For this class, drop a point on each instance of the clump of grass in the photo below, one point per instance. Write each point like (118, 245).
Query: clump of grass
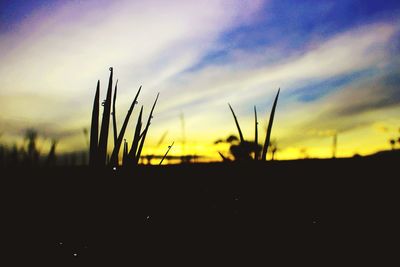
(98, 146)
(246, 146)
(136, 138)
(118, 142)
(142, 137)
(29, 153)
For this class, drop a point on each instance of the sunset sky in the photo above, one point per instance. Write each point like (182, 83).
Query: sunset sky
(337, 64)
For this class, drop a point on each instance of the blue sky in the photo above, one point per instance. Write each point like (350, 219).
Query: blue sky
(292, 23)
(328, 58)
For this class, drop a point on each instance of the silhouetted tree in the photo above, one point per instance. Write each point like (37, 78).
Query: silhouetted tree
(303, 152)
(244, 150)
(274, 148)
(231, 139)
(239, 150)
(392, 143)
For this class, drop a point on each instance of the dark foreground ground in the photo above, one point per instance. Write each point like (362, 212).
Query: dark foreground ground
(311, 213)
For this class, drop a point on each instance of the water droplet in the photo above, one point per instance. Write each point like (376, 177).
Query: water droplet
(75, 254)
(115, 168)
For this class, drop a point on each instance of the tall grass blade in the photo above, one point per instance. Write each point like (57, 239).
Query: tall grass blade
(114, 114)
(143, 138)
(269, 129)
(51, 157)
(166, 153)
(136, 137)
(223, 157)
(114, 155)
(256, 151)
(94, 129)
(237, 124)
(125, 154)
(102, 155)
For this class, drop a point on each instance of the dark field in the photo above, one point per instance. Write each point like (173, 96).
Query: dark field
(341, 212)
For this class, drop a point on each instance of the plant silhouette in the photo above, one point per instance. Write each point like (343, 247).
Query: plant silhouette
(98, 156)
(244, 149)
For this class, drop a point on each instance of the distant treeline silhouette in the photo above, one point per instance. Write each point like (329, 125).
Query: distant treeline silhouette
(28, 154)
(393, 141)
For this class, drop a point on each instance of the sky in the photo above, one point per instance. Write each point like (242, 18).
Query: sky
(336, 63)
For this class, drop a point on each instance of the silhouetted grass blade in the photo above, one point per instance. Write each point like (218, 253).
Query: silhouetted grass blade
(136, 138)
(51, 157)
(94, 129)
(166, 153)
(114, 155)
(269, 129)
(256, 152)
(102, 155)
(114, 114)
(125, 154)
(139, 152)
(223, 157)
(237, 124)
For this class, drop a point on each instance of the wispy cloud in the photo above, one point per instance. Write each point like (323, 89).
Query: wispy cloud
(62, 54)
(248, 83)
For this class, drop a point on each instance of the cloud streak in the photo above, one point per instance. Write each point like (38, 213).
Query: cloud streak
(61, 55)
